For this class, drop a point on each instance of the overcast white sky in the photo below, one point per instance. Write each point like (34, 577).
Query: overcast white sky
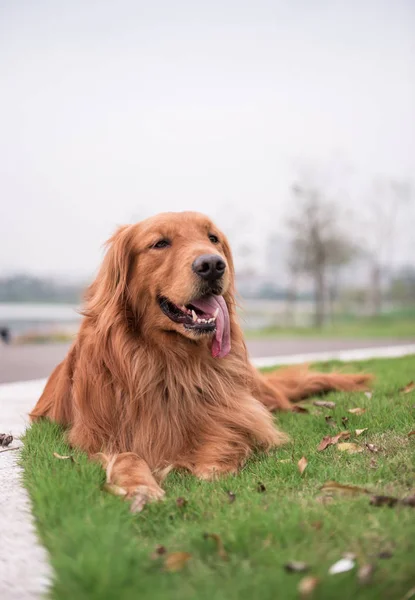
(114, 110)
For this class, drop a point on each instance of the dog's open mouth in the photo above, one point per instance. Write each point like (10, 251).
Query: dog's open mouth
(206, 315)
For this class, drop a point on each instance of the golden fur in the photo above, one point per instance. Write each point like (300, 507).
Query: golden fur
(145, 395)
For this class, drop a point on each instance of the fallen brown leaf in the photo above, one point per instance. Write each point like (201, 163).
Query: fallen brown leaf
(61, 457)
(317, 525)
(357, 411)
(349, 448)
(302, 464)
(329, 440)
(344, 490)
(408, 501)
(5, 439)
(410, 387)
(411, 433)
(307, 586)
(372, 448)
(113, 489)
(383, 501)
(365, 574)
(385, 554)
(158, 551)
(295, 566)
(300, 409)
(360, 431)
(219, 544)
(324, 404)
(176, 561)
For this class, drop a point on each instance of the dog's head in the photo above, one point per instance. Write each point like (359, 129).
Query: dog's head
(172, 273)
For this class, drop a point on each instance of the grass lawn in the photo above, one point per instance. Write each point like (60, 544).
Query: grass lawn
(100, 550)
(376, 327)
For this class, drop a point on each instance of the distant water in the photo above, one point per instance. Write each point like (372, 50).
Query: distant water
(22, 317)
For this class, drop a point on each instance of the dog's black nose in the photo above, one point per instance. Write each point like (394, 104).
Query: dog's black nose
(209, 266)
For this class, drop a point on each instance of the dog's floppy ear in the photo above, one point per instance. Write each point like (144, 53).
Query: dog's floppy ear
(110, 288)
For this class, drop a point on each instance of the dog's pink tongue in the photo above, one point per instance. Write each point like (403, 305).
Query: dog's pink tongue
(222, 340)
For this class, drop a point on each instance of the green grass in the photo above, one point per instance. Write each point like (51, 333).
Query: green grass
(376, 327)
(99, 550)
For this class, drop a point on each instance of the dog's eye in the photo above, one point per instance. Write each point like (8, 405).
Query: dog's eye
(162, 244)
(213, 238)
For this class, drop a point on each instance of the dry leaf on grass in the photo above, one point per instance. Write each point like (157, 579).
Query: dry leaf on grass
(113, 489)
(365, 574)
(383, 501)
(372, 448)
(408, 388)
(329, 440)
(344, 490)
(385, 554)
(411, 433)
(68, 457)
(300, 409)
(360, 431)
(158, 551)
(302, 464)
(324, 404)
(219, 544)
(357, 411)
(295, 566)
(341, 566)
(307, 586)
(350, 448)
(176, 561)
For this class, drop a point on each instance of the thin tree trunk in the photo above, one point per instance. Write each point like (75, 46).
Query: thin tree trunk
(320, 297)
(376, 290)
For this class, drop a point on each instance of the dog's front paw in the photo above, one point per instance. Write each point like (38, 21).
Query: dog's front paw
(142, 495)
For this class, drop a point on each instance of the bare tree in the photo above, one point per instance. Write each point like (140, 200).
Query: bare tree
(389, 198)
(318, 243)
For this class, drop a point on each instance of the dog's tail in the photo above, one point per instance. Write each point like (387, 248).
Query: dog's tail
(298, 383)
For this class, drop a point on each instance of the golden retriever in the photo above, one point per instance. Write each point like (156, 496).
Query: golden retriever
(159, 375)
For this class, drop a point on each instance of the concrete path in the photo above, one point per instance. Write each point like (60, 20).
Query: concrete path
(24, 570)
(23, 363)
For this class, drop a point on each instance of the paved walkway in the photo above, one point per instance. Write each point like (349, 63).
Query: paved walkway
(24, 570)
(22, 363)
